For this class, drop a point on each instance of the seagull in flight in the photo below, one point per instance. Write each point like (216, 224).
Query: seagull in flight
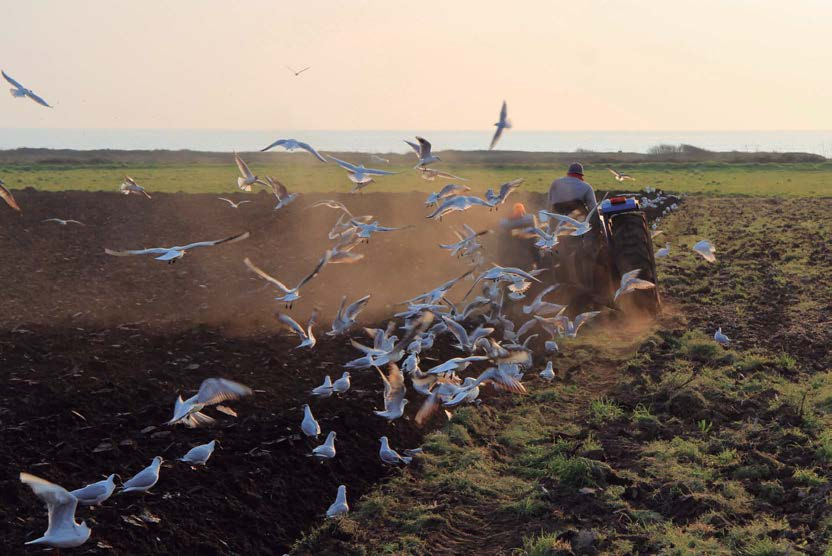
(706, 249)
(63, 531)
(504, 123)
(458, 203)
(8, 197)
(211, 392)
(290, 294)
(232, 203)
(360, 175)
(345, 318)
(247, 179)
(292, 144)
(506, 189)
(307, 337)
(378, 158)
(171, 254)
(366, 230)
(422, 151)
(281, 193)
(64, 222)
(129, 186)
(20, 91)
(450, 190)
(430, 174)
(297, 73)
(619, 176)
(394, 393)
(630, 282)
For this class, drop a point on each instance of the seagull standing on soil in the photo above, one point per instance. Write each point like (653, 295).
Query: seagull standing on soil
(95, 494)
(620, 176)
(324, 390)
(129, 186)
(20, 91)
(423, 151)
(292, 144)
(503, 123)
(309, 425)
(706, 249)
(340, 506)
(64, 222)
(721, 338)
(232, 203)
(391, 456)
(212, 391)
(307, 338)
(664, 251)
(327, 449)
(246, 179)
(549, 372)
(171, 254)
(198, 455)
(342, 384)
(8, 197)
(145, 479)
(291, 294)
(63, 531)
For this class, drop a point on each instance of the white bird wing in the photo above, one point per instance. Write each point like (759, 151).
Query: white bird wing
(614, 173)
(562, 218)
(584, 318)
(292, 323)
(231, 239)
(90, 492)
(497, 134)
(9, 198)
(151, 251)
(59, 503)
(277, 143)
(504, 113)
(424, 145)
(243, 167)
(353, 309)
(12, 81)
(316, 270)
(414, 146)
(37, 99)
(457, 330)
(343, 164)
(216, 390)
(259, 272)
(308, 148)
(375, 172)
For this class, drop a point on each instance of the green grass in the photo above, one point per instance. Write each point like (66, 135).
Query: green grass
(787, 180)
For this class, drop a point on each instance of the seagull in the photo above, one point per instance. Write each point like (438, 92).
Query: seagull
(430, 174)
(129, 186)
(706, 249)
(422, 151)
(630, 282)
(570, 328)
(307, 338)
(340, 506)
(324, 390)
(548, 373)
(309, 425)
(232, 203)
(172, 254)
(64, 222)
(504, 123)
(721, 338)
(655, 232)
(455, 365)
(458, 203)
(198, 455)
(330, 203)
(620, 176)
(394, 393)
(247, 179)
(391, 456)
(498, 273)
(297, 73)
(366, 230)
(506, 189)
(540, 307)
(327, 449)
(20, 91)
(144, 479)
(342, 384)
(63, 531)
(664, 251)
(467, 243)
(377, 158)
(8, 197)
(465, 341)
(292, 144)
(95, 494)
(438, 293)
(212, 391)
(342, 251)
(450, 190)
(360, 175)
(291, 294)
(345, 318)
(576, 228)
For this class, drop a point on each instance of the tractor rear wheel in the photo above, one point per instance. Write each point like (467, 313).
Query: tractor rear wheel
(632, 248)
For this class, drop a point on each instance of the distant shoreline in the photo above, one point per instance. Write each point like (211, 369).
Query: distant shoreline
(450, 157)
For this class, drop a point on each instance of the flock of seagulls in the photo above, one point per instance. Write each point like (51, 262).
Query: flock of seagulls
(496, 349)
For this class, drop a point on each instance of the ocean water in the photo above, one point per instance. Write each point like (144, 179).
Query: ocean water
(384, 141)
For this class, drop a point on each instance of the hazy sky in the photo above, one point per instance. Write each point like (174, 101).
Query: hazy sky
(421, 65)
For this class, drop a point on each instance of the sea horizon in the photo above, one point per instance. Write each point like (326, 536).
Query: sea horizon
(392, 141)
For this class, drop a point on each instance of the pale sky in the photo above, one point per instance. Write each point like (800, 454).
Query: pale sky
(391, 64)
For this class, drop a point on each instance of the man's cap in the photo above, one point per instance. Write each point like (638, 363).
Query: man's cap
(576, 168)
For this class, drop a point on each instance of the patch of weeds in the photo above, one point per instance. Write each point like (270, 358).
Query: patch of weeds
(824, 450)
(577, 472)
(698, 347)
(604, 410)
(808, 477)
(544, 544)
(406, 544)
(528, 506)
